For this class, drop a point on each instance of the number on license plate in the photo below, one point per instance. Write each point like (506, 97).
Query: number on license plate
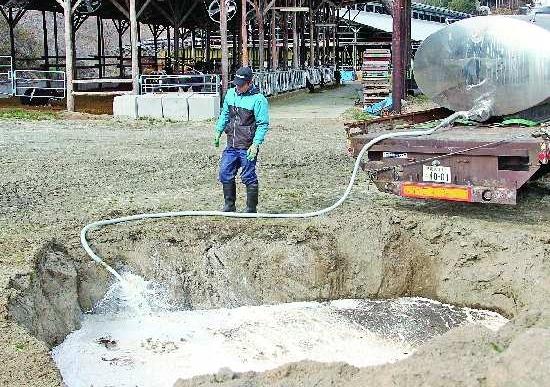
(437, 174)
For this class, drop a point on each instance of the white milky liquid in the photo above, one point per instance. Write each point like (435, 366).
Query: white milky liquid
(133, 342)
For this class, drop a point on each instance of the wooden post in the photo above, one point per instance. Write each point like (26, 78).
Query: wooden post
(193, 49)
(261, 34)
(311, 37)
(295, 42)
(168, 47)
(254, 51)
(285, 40)
(140, 53)
(302, 39)
(175, 65)
(56, 40)
(99, 69)
(273, 33)
(135, 43)
(120, 31)
(45, 37)
(334, 21)
(225, 49)
(12, 39)
(69, 54)
(208, 46)
(401, 24)
(235, 50)
(244, 35)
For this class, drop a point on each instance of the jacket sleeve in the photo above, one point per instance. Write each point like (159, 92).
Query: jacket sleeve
(223, 119)
(261, 113)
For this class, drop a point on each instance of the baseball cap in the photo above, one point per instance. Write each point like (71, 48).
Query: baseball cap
(244, 74)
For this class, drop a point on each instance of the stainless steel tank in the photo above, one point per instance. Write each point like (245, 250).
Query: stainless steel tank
(496, 65)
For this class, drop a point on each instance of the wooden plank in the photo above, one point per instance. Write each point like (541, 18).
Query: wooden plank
(292, 9)
(102, 93)
(102, 80)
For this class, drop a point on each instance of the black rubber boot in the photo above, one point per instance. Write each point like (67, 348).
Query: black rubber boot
(229, 196)
(251, 198)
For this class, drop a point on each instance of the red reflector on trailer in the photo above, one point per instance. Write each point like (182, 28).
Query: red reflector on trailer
(437, 191)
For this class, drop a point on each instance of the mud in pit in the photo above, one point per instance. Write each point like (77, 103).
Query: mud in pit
(56, 176)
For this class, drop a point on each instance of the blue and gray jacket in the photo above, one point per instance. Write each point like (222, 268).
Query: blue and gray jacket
(244, 118)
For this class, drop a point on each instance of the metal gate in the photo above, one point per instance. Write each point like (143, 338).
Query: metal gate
(38, 83)
(198, 83)
(6, 75)
(274, 82)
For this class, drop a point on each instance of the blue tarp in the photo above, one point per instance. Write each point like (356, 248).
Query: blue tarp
(347, 75)
(378, 107)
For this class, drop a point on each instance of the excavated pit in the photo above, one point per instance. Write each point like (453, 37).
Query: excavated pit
(216, 265)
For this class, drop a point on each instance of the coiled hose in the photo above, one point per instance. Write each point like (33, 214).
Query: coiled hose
(95, 225)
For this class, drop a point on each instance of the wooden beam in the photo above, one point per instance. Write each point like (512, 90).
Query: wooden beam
(189, 11)
(19, 15)
(75, 6)
(268, 7)
(120, 8)
(168, 17)
(147, 2)
(4, 14)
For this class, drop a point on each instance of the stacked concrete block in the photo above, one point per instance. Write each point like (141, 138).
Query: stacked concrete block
(175, 106)
(203, 106)
(150, 106)
(125, 106)
(179, 107)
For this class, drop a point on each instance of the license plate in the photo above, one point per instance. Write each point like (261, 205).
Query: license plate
(437, 174)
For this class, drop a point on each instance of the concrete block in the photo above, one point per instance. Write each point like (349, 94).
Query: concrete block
(125, 106)
(150, 106)
(175, 107)
(203, 106)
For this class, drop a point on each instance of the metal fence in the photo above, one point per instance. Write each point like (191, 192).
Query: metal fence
(37, 83)
(6, 75)
(274, 82)
(198, 83)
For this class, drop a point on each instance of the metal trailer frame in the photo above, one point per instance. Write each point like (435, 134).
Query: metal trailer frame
(485, 164)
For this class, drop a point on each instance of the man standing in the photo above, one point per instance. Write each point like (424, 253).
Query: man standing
(245, 120)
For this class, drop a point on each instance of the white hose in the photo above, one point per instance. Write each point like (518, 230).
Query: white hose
(365, 148)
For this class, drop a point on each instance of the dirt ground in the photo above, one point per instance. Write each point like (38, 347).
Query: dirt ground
(58, 175)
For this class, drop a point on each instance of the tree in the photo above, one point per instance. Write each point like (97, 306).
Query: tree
(468, 6)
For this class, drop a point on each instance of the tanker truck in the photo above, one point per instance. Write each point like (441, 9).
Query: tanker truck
(495, 69)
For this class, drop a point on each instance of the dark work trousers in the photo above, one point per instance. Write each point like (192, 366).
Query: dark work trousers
(232, 160)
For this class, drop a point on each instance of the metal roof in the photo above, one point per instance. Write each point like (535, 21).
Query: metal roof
(420, 29)
(159, 12)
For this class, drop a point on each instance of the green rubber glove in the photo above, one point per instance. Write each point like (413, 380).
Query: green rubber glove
(252, 152)
(217, 139)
